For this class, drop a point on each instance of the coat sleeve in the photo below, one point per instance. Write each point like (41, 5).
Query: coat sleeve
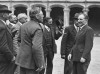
(37, 48)
(64, 41)
(88, 43)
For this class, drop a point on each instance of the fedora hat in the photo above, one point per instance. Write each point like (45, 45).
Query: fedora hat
(4, 8)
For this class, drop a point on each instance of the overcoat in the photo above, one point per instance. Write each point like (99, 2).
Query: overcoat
(30, 53)
(6, 50)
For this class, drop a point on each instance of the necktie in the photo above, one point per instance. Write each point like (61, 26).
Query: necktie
(78, 29)
(48, 29)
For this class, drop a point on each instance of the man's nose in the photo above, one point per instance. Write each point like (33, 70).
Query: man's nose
(79, 20)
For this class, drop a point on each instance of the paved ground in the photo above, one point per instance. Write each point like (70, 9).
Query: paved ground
(94, 67)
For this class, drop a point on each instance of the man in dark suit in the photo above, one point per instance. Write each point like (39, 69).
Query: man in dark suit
(67, 43)
(30, 57)
(49, 45)
(81, 51)
(7, 57)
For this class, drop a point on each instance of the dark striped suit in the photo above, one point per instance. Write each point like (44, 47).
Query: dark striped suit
(82, 48)
(67, 43)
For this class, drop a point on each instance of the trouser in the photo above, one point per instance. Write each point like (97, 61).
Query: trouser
(80, 68)
(27, 71)
(49, 55)
(49, 59)
(68, 66)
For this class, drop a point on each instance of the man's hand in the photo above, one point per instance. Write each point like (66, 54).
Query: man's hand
(39, 69)
(69, 57)
(82, 60)
(63, 56)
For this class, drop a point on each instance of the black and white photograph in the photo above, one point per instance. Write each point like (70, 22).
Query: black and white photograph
(49, 36)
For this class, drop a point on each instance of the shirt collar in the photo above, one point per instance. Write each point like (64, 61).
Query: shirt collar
(82, 26)
(3, 21)
(47, 28)
(20, 23)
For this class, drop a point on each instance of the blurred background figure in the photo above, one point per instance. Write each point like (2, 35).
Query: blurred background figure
(13, 19)
(22, 18)
(12, 22)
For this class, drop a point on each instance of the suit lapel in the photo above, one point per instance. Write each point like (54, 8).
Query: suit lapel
(42, 26)
(74, 30)
(8, 29)
(82, 31)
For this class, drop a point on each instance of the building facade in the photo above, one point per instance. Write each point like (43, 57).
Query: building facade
(59, 8)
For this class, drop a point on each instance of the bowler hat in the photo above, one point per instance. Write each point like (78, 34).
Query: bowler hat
(4, 8)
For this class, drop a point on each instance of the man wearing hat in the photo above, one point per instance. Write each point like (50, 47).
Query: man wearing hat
(30, 57)
(7, 58)
(67, 42)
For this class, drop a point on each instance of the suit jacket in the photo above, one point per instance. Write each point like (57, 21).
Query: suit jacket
(83, 44)
(68, 39)
(30, 53)
(54, 47)
(54, 36)
(6, 43)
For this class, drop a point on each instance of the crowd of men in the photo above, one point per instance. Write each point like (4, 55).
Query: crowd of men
(28, 46)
